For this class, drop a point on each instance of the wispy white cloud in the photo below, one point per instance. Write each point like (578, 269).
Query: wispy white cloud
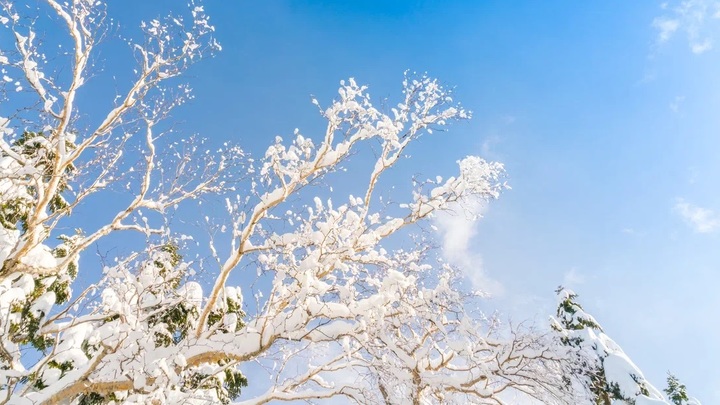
(457, 231)
(633, 233)
(572, 278)
(676, 103)
(666, 28)
(702, 220)
(647, 77)
(701, 47)
(509, 119)
(694, 17)
(487, 149)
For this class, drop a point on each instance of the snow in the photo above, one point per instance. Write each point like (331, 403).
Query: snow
(598, 348)
(42, 305)
(40, 257)
(333, 281)
(33, 75)
(191, 292)
(8, 239)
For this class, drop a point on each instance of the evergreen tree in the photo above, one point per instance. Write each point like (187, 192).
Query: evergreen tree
(605, 370)
(677, 393)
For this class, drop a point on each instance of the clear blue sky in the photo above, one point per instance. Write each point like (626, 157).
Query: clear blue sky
(605, 114)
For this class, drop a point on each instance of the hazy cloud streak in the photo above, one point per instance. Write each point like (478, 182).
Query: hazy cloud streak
(694, 17)
(702, 220)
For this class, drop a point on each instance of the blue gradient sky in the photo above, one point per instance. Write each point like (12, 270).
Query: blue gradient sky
(609, 133)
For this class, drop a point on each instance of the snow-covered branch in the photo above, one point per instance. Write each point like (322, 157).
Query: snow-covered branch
(339, 297)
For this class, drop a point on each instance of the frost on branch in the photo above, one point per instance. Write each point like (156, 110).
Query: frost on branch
(343, 309)
(55, 162)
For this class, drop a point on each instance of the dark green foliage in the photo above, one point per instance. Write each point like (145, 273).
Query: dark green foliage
(643, 388)
(63, 250)
(34, 144)
(63, 367)
(178, 318)
(61, 290)
(231, 307)
(26, 331)
(611, 392)
(172, 319)
(94, 398)
(226, 390)
(38, 383)
(676, 391)
(36, 147)
(567, 311)
(571, 319)
(89, 349)
(168, 263)
(234, 381)
(568, 316)
(13, 212)
(177, 321)
(214, 317)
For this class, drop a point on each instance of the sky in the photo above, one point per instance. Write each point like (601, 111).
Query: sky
(605, 115)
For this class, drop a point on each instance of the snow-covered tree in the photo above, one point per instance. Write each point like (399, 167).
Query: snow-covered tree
(677, 392)
(331, 301)
(608, 374)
